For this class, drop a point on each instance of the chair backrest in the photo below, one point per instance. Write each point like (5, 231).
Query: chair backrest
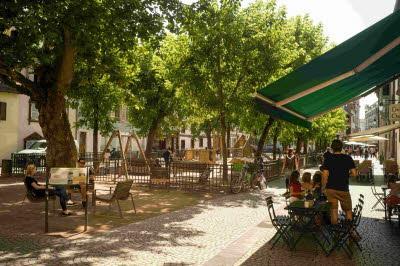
(391, 167)
(122, 190)
(364, 167)
(373, 188)
(30, 196)
(271, 210)
(358, 215)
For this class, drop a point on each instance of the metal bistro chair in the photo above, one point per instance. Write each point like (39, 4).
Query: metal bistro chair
(33, 199)
(281, 224)
(378, 196)
(341, 234)
(121, 192)
(365, 171)
(390, 167)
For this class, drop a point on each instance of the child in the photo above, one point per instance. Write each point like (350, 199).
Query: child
(306, 182)
(317, 185)
(295, 187)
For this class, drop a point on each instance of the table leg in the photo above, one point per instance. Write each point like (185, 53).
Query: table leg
(86, 212)
(46, 212)
(384, 203)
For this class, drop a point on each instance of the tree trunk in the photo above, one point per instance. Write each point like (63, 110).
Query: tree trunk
(209, 137)
(224, 150)
(177, 142)
(49, 93)
(151, 136)
(305, 144)
(298, 144)
(274, 143)
(228, 135)
(263, 137)
(96, 142)
(53, 119)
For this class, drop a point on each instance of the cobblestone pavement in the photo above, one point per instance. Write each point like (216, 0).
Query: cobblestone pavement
(189, 236)
(380, 239)
(230, 230)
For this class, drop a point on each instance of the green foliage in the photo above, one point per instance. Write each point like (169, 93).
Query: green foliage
(38, 27)
(96, 90)
(154, 94)
(327, 126)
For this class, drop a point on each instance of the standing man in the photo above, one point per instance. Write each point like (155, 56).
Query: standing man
(290, 164)
(167, 157)
(337, 169)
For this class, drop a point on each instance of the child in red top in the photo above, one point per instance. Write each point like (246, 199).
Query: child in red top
(295, 187)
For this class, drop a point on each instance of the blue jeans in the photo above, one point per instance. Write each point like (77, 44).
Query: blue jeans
(62, 194)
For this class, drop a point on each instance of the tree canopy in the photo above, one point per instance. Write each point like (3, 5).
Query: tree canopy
(174, 65)
(48, 38)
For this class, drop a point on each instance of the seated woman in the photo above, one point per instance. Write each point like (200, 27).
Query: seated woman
(393, 199)
(306, 182)
(38, 191)
(295, 187)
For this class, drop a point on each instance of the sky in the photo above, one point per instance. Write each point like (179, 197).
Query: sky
(341, 19)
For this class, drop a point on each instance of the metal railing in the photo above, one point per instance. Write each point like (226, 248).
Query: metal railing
(182, 175)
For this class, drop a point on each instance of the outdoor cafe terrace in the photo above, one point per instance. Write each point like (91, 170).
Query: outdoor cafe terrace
(182, 224)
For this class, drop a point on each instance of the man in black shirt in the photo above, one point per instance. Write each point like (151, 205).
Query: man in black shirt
(167, 157)
(337, 169)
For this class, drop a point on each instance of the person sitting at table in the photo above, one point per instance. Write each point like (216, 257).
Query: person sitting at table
(295, 187)
(81, 187)
(393, 199)
(335, 178)
(317, 186)
(306, 182)
(39, 191)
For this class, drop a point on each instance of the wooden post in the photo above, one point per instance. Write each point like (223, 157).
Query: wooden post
(104, 150)
(128, 144)
(123, 155)
(141, 150)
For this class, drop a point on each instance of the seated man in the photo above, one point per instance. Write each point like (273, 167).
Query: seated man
(38, 191)
(337, 168)
(82, 186)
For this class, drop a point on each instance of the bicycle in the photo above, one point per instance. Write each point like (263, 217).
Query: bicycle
(238, 182)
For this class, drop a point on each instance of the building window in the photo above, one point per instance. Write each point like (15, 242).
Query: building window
(385, 90)
(183, 144)
(192, 143)
(183, 131)
(201, 142)
(33, 112)
(3, 111)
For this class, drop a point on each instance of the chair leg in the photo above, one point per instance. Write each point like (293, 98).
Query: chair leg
(119, 209)
(133, 203)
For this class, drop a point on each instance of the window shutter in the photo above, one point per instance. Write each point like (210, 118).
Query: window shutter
(3, 111)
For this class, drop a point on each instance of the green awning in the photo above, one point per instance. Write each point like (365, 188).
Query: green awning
(350, 70)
